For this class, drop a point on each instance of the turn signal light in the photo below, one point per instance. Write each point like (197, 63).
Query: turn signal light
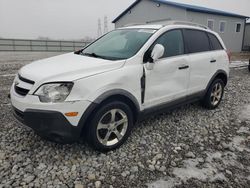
(71, 114)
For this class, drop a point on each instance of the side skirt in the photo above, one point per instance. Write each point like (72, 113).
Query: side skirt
(165, 107)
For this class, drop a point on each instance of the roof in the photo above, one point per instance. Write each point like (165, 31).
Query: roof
(193, 8)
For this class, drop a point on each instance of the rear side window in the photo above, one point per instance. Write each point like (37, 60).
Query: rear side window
(196, 41)
(215, 43)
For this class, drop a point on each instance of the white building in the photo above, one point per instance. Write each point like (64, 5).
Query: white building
(230, 26)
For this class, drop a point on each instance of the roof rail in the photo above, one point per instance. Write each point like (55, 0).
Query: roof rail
(160, 20)
(168, 22)
(134, 24)
(189, 23)
(177, 22)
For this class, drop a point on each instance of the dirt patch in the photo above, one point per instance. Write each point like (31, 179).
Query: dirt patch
(243, 56)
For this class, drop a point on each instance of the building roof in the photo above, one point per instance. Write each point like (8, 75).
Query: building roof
(193, 8)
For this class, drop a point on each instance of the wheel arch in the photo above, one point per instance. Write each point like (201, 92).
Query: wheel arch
(221, 74)
(112, 95)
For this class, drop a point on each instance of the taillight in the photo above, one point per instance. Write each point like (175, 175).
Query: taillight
(229, 54)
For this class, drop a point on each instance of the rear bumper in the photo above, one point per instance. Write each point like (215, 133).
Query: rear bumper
(51, 125)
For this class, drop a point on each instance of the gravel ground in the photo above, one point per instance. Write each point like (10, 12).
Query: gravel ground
(187, 147)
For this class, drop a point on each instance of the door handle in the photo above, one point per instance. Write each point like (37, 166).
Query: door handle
(213, 61)
(183, 67)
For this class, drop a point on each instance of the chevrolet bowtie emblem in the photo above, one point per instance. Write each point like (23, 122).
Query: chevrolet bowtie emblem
(16, 83)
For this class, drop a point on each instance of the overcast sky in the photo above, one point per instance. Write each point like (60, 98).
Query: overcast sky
(75, 19)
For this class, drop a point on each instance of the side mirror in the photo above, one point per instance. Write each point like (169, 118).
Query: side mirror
(156, 54)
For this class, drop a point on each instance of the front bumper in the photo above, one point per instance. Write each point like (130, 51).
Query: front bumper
(32, 102)
(48, 119)
(51, 125)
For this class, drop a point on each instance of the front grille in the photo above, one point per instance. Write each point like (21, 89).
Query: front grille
(25, 80)
(21, 91)
(18, 114)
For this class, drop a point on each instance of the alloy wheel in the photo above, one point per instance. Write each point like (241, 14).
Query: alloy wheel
(216, 94)
(112, 127)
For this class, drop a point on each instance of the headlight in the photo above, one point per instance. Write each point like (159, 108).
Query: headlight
(54, 92)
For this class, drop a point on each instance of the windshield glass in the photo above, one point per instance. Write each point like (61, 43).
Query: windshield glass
(119, 44)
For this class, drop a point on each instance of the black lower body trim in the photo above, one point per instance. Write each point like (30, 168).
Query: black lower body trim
(19, 115)
(165, 107)
(51, 125)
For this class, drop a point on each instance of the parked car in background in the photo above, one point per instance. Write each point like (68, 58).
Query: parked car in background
(101, 91)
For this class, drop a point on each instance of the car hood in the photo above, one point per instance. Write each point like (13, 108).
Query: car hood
(67, 67)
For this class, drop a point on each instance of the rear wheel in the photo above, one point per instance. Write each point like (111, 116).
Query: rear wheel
(110, 126)
(214, 94)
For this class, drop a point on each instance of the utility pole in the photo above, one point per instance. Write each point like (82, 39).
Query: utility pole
(99, 30)
(105, 29)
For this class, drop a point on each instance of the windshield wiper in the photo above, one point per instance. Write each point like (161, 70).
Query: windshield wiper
(93, 55)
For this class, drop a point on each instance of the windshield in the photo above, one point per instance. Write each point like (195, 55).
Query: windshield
(119, 44)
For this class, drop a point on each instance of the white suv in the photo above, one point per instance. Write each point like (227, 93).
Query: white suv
(101, 91)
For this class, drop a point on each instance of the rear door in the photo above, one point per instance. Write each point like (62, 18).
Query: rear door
(218, 53)
(200, 59)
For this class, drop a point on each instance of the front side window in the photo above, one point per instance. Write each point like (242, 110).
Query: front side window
(222, 26)
(238, 27)
(119, 44)
(197, 41)
(172, 42)
(210, 24)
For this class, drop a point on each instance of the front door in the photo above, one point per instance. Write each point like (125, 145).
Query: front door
(169, 79)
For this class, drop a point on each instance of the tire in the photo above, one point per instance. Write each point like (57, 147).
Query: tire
(212, 98)
(110, 126)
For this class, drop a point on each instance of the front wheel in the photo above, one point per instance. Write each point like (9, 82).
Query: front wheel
(214, 94)
(110, 126)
